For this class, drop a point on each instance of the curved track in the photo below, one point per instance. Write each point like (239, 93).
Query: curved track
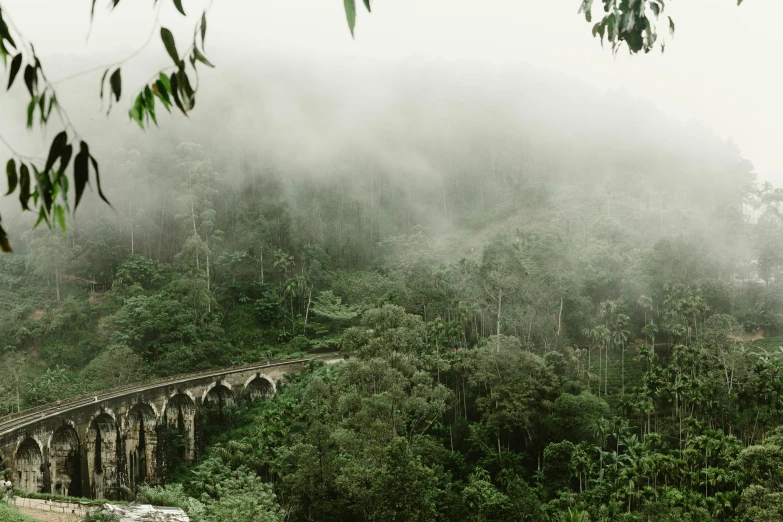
(30, 416)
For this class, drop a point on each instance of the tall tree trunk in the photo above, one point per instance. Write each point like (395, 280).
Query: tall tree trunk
(195, 233)
(622, 370)
(130, 219)
(559, 316)
(57, 280)
(600, 370)
(209, 301)
(307, 309)
(606, 370)
(500, 310)
(261, 250)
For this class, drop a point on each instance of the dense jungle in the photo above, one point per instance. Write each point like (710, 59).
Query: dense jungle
(550, 280)
(529, 335)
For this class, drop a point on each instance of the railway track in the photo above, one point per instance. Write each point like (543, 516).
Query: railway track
(15, 421)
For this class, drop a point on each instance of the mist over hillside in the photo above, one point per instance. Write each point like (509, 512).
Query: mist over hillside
(457, 146)
(553, 301)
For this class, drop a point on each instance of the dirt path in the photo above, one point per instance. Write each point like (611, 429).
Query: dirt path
(46, 516)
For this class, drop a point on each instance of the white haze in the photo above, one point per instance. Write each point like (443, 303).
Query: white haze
(720, 69)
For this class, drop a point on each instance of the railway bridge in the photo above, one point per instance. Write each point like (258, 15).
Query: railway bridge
(91, 446)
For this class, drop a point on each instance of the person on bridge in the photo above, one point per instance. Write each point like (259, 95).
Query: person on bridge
(58, 404)
(8, 488)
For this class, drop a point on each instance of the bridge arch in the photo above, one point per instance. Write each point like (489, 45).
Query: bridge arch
(29, 466)
(179, 412)
(103, 412)
(101, 448)
(65, 460)
(259, 387)
(218, 394)
(141, 442)
(5, 467)
(178, 408)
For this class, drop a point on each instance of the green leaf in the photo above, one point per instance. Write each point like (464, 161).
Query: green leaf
(184, 83)
(56, 150)
(4, 32)
(588, 16)
(350, 14)
(656, 9)
(16, 64)
(116, 84)
(610, 25)
(671, 26)
(44, 184)
(162, 94)
(165, 81)
(92, 10)
(65, 159)
(367, 5)
(5, 245)
(178, 5)
(42, 107)
(203, 27)
(59, 212)
(3, 52)
(149, 104)
(136, 112)
(103, 80)
(98, 178)
(175, 94)
(201, 58)
(80, 171)
(30, 79)
(168, 42)
(41, 214)
(635, 42)
(650, 34)
(64, 186)
(10, 173)
(24, 186)
(31, 111)
(52, 102)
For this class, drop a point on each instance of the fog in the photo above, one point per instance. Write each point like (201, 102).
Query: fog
(472, 119)
(502, 225)
(716, 71)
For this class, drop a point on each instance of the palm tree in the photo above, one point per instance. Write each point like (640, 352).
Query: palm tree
(597, 336)
(572, 515)
(600, 430)
(629, 462)
(607, 310)
(583, 463)
(620, 336)
(649, 331)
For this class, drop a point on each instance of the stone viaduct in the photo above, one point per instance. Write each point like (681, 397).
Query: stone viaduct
(91, 446)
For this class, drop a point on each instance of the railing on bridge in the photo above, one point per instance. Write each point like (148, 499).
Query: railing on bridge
(87, 398)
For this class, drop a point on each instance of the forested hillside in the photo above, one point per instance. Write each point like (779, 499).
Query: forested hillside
(544, 318)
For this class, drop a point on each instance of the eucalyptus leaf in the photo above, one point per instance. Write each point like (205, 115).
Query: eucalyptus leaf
(350, 14)
(168, 42)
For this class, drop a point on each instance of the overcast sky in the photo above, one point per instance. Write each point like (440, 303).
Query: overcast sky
(722, 68)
